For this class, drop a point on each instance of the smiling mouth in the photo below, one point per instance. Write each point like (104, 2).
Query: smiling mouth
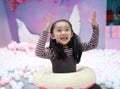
(64, 38)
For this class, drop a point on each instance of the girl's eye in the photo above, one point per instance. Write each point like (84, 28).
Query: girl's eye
(67, 29)
(58, 30)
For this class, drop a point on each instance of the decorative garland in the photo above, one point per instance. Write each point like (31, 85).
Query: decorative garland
(14, 3)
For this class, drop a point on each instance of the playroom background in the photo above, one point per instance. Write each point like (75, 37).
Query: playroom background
(22, 21)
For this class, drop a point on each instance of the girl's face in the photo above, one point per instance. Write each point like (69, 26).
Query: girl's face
(62, 33)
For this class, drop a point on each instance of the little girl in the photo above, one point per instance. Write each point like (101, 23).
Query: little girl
(65, 47)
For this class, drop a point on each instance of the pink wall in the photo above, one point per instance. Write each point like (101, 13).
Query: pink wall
(112, 37)
(32, 13)
(5, 35)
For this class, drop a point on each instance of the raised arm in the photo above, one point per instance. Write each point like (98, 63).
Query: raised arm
(95, 35)
(40, 50)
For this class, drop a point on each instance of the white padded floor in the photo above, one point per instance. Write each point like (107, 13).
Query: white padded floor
(16, 70)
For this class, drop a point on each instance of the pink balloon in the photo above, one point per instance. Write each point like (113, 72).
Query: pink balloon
(2, 83)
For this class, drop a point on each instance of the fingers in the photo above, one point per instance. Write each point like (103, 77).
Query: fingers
(49, 18)
(93, 21)
(49, 21)
(94, 15)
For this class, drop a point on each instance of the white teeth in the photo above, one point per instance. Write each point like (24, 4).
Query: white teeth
(64, 38)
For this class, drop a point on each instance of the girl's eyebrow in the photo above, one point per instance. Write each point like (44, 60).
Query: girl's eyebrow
(67, 27)
(58, 27)
(61, 27)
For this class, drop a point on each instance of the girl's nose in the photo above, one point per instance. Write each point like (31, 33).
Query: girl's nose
(63, 32)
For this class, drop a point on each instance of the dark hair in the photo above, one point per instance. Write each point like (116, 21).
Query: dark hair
(74, 44)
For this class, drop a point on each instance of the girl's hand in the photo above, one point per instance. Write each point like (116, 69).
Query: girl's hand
(49, 20)
(93, 20)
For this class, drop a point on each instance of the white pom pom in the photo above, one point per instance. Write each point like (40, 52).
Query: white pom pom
(30, 79)
(17, 77)
(2, 88)
(13, 84)
(27, 74)
(21, 84)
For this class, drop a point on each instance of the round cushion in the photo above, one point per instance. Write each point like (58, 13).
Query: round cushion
(84, 78)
